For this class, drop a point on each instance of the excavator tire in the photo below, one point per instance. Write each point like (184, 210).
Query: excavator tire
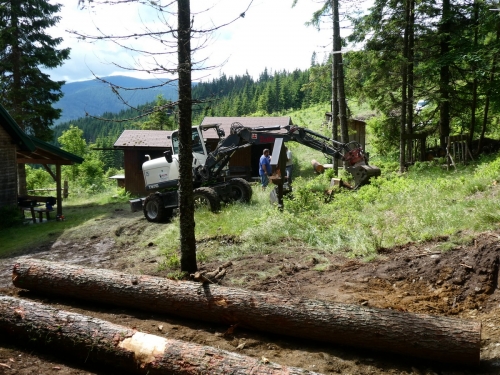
(241, 191)
(206, 197)
(155, 211)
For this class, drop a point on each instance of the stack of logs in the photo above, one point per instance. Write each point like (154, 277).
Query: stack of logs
(442, 339)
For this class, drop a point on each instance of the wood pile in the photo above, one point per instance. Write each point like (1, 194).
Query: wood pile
(442, 339)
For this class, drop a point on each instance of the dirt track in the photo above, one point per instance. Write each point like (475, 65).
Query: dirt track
(461, 282)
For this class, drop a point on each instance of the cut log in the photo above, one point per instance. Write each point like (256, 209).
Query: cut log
(436, 338)
(94, 342)
(318, 168)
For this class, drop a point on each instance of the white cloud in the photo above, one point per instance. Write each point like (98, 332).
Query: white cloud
(272, 35)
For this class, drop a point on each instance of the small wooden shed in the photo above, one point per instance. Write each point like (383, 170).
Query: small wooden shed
(357, 129)
(136, 144)
(17, 147)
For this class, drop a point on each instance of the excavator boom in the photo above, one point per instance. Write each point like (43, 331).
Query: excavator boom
(351, 153)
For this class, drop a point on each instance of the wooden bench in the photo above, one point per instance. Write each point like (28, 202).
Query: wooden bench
(36, 204)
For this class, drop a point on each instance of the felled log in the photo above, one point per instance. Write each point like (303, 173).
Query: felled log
(431, 337)
(318, 168)
(94, 342)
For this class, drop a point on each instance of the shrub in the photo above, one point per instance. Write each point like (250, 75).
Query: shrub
(37, 178)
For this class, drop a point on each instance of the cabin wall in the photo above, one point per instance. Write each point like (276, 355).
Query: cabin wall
(8, 166)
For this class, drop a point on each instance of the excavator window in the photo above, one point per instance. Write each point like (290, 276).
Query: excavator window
(197, 146)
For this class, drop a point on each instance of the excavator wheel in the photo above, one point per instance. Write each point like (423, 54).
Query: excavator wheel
(241, 191)
(155, 211)
(206, 197)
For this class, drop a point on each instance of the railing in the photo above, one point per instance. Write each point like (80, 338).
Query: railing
(64, 190)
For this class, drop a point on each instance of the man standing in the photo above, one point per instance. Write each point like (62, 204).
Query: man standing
(265, 169)
(289, 165)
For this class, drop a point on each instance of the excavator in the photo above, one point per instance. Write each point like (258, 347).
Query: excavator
(211, 183)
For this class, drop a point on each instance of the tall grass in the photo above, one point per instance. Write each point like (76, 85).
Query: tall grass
(426, 202)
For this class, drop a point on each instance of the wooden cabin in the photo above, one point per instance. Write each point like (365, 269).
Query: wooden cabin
(17, 147)
(136, 144)
(357, 129)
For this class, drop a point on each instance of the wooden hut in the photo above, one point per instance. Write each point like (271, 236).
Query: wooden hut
(357, 129)
(17, 147)
(136, 145)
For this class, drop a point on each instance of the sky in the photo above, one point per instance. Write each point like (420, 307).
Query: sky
(272, 35)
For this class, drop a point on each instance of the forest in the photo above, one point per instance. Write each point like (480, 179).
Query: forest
(410, 69)
(444, 54)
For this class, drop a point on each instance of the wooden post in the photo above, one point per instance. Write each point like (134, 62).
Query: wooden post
(436, 338)
(58, 190)
(65, 189)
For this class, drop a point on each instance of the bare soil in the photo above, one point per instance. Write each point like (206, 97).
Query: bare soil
(418, 277)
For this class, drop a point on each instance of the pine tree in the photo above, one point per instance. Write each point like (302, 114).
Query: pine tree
(25, 49)
(160, 119)
(27, 93)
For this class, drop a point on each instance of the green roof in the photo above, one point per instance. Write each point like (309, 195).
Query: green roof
(18, 135)
(55, 150)
(30, 143)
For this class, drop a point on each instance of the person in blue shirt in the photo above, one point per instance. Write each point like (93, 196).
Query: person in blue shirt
(265, 169)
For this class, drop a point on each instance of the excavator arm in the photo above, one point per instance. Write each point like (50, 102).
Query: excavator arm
(351, 153)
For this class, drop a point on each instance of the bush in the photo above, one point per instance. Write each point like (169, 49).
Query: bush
(37, 178)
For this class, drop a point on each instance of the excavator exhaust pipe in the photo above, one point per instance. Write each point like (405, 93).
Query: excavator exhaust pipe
(363, 173)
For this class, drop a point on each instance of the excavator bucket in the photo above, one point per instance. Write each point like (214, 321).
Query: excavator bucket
(363, 173)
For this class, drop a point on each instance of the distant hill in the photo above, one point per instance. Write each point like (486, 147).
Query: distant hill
(96, 98)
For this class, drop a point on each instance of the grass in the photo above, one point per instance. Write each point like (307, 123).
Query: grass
(427, 202)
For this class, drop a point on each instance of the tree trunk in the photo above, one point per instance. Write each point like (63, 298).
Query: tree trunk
(344, 126)
(404, 91)
(488, 96)
(444, 74)
(437, 338)
(474, 103)
(93, 341)
(186, 205)
(337, 43)
(17, 107)
(410, 74)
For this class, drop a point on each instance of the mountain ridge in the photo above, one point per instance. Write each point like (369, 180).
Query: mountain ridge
(96, 97)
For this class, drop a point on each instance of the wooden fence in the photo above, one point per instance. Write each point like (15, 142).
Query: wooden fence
(65, 190)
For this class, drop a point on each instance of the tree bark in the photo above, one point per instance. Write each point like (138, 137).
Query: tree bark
(437, 338)
(344, 126)
(404, 91)
(444, 74)
(337, 43)
(186, 205)
(93, 341)
(488, 95)
(475, 83)
(411, 77)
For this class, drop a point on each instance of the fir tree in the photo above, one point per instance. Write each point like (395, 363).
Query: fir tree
(25, 49)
